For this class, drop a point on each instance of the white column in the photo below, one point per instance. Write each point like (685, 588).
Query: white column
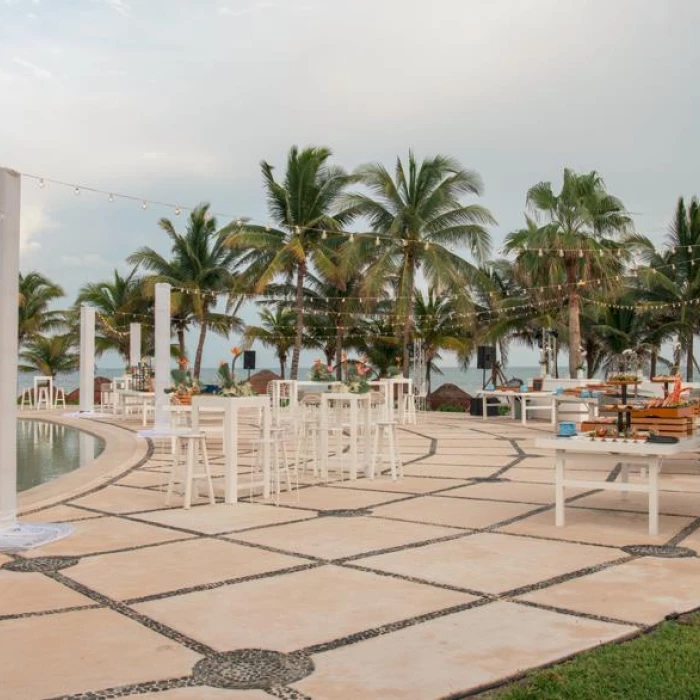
(162, 357)
(134, 344)
(87, 358)
(10, 187)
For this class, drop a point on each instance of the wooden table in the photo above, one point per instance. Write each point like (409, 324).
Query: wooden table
(645, 454)
(523, 397)
(357, 403)
(229, 406)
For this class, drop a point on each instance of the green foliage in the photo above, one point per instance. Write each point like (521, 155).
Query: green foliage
(448, 408)
(36, 294)
(662, 664)
(49, 355)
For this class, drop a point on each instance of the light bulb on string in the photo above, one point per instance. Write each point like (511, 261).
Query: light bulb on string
(376, 241)
(580, 252)
(540, 253)
(76, 191)
(177, 211)
(404, 242)
(267, 226)
(561, 252)
(42, 184)
(144, 205)
(110, 198)
(352, 238)
(427, 245)
(297, 230)
(324, 235)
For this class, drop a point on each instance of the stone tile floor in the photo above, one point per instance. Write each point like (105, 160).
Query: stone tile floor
(438, 585)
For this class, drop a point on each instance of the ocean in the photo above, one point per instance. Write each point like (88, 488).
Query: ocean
(470, 380)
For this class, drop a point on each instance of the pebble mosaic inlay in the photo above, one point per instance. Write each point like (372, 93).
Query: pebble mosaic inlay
(663, 551)
(247, 669)
(40, 565)
(344, 512)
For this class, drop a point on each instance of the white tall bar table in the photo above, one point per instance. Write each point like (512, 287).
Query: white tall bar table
(645, 454)
(229, 406)
(402, 383)
(358, 403)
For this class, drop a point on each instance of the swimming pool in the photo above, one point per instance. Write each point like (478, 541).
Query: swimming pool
(47, 450)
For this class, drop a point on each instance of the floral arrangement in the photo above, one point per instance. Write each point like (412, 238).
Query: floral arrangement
(395, 370)
(356, 376)
(184, 383)
(320, 373)
(229, 385)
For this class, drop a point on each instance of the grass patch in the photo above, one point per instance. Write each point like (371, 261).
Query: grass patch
(664, 664)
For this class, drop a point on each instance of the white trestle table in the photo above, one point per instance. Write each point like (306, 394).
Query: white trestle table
(644, 454)
(524, 397)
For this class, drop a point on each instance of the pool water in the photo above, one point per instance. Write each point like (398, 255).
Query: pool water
(46, 451)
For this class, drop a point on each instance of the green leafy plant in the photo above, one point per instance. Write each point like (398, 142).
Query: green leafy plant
(320, 372)
(229, 385)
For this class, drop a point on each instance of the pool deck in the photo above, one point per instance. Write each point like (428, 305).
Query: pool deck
(446, 582)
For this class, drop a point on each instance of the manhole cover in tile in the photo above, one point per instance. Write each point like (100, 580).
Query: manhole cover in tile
(41, 565)
(252, 668)
(344, 512)
(667, 552)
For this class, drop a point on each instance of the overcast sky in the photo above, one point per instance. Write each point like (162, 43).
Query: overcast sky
(179, 100)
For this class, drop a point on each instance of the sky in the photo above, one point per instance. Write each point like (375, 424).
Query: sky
(180, 100)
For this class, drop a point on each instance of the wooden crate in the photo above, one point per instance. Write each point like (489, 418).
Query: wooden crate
(680, 427)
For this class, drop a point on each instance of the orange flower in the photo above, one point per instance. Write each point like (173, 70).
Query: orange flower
(183, 362)
(236, 351)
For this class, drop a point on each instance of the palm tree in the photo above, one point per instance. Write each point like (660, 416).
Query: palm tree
(575, 244)
(278, 331)
(118, 302)
(439, 327)
(49, 355)
(301, 207)
(673, 277)
(36, 293)
(202, 265)
(420, 216)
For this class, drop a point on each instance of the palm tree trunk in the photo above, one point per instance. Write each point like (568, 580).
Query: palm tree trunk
(653, 362)
(689, 356)
(409, 309)
(200, 347)
(427, 376)
(283, 362)
(181, 340)
(339, 352)
(299, 308)
(574, 320)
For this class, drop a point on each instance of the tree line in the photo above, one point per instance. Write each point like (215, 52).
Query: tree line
(377, 260)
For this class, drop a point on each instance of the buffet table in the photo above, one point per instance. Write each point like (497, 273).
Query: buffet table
(523, 397)
(644, 454)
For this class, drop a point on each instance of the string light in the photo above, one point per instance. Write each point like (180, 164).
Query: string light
(76, 191)
(110, 198)
(144, 205)
(177, 211)
(324, 235)
(376, 241)
(42, 183)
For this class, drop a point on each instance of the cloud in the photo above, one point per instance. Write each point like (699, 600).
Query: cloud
(119, 6)
(37, 71)
(88, 260)
(33, 221)
(252, 9)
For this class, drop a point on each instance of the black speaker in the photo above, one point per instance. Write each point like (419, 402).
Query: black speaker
(485, 356)
(249, 359)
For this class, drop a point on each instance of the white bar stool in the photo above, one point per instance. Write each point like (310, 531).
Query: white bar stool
(27, 399)
(195, 447)
(43, 399)
(385, 436)
(409, 408)
(59, 394)
(279, 465)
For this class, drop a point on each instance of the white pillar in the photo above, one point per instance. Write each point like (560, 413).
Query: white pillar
(10, 187)
(87, 358)
(134, 344)
(162, 357)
